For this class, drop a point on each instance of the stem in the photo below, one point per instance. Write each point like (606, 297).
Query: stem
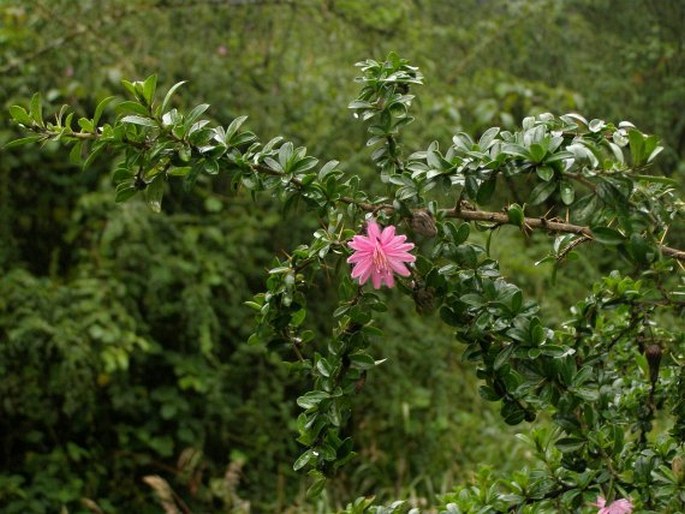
(545, 224)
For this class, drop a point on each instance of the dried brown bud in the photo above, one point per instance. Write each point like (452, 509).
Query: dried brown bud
(678, 467)
(424, 298)
(423, 224)
(653, 354)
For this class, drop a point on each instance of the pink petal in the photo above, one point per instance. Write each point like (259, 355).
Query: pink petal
(388, 234)
(365, 276)
(361, 268)
(360, 256)
(376, 279)
(389, 280)
(373, 230)
(399, 248)
(399, 267)
(621, 506)
(401, 256)
(401, 238)
(361, 243)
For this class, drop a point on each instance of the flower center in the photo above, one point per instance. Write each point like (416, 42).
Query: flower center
(380, 261)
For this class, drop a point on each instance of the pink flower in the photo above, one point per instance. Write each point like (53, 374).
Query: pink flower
(379, 254)
(621, 506)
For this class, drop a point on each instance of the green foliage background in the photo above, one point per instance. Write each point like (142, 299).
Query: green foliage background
(122, 332)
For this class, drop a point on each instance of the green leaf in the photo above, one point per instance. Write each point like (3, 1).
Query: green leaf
(486, 190)
(75, 153)
(97, 150)
(541, 192)
(361, 360)
(149, 87)
(324, 367)
(20, 115)
(86, 124)
(537, 152)
(489, 394)
(537, 333)
(586, 393)
(36, 109)
(450, 317)
(121, 174)
(303, 459)
(637, 144)
(465, 255)
(155, 191)
(179, 171)
(129, 106)
(512, 413)
(585, 208)
(211, 166)
(651, 156)
(328, 168)
(515, 214)
(570, 444)
(170, 93)
(567, 192)
(298, 317)
(640, 250)
(515, 150)
(130, 87)
(596, 125)
(22, 141)
(196, 113)
(471, 186)
(503, 357)
(234, 126)
(315, 490)
(124, 191)
(488, 137)
(304, 164)
(545, 173)
(67, 121)
(607, 235)
(139, 120)
(253, 305)
(312, 399)
(285, 152)
(100, 109)
(462, 234)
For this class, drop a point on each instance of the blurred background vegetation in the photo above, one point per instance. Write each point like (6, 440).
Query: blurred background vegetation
(122, 332)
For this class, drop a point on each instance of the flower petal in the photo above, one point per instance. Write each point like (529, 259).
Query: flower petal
(361, 268)
(399, 267)
(373, 230)
(365, 276)
(376, 279)
(360, 256)
(388, 234)
(361, 243)
(401, 257)
(400, 247)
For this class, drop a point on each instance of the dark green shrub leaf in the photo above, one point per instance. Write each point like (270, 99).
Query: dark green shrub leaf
(541, 192)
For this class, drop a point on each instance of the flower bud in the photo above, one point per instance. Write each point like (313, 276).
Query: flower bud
(423, 224)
